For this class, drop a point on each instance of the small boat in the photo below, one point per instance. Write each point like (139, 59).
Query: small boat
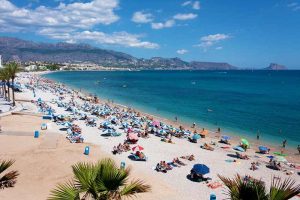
(124, 86)
(209, 110)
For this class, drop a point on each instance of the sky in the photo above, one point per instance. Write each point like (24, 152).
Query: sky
(244, 33)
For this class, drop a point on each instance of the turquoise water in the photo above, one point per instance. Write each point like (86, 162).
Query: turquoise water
(240, 102)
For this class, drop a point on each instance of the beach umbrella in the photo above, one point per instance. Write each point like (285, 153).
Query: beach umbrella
(245, 142)
(196, 136)
(263, 148)
(133, 136)
(138, 148)
(225, 137)
(271, 157)
(105, 123)
(156, 123)
(200, 169)
(239, 149)
(67, 124)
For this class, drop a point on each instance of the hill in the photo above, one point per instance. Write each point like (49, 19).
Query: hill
(28, 51)
(274, 66)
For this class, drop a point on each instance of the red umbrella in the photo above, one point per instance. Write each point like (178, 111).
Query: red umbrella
(138, 148)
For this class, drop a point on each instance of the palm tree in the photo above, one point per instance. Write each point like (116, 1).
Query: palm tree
(10, 178)
(13, 68)
(239, 189)
(100, 181)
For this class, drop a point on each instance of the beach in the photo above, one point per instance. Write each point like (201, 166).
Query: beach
(45, 161)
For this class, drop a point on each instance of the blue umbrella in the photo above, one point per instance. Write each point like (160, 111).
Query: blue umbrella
(225, 137)
(263, 148)
(271, 157)
(196, 136)
(200, 169)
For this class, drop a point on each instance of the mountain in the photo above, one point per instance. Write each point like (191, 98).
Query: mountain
(27, 51)
(274, 66)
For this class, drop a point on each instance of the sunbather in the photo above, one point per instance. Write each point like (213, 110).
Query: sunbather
(207, 147)
(179, 161)
(159, 168)
(253, 166)
(241, 156)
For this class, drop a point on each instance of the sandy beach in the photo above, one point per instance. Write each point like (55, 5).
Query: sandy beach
(45, 161)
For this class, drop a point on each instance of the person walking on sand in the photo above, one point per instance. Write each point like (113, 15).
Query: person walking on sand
(194, 125)
(284, 143)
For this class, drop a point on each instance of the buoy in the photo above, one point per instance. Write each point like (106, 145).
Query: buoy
(36, 134)
(87, 150)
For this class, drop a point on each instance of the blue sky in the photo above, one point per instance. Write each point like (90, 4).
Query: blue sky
(242, 33)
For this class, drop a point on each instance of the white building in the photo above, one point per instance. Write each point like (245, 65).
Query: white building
(1, 61)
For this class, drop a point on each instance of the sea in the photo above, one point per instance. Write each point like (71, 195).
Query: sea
(241, 103)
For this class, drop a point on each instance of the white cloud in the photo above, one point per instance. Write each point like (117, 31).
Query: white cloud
(142, 17)
(186, 3)
(187, 16)
(211, 40)
(196, 5)
(116, 38)
(75, 15)
(182, 51)
(160, 25)
(294, 6)
(219, 48)
(71, 22)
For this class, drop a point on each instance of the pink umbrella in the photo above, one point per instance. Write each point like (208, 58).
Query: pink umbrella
(133, 136)
(138, 148)
(155, 123)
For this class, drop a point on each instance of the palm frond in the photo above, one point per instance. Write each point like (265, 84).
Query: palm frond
(67, 191)
(238, 189)
(85, 175)
(283, 190)
(5, 164)
(110, 177)
(135, 187)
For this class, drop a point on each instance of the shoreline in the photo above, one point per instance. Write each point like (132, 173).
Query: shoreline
(171, 185)
(273, 145)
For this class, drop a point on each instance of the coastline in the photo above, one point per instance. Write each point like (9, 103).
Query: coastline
(272, 144)
(171, 185)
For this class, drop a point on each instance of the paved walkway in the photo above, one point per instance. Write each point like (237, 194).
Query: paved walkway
(4, 105)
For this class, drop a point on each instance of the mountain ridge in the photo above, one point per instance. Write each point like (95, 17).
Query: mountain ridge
(61, 52)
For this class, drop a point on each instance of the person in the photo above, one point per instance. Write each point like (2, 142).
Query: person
(284, 143)
(298, 148)
(257, 135)
(176, 119)
(194, 125)
(253, 166)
